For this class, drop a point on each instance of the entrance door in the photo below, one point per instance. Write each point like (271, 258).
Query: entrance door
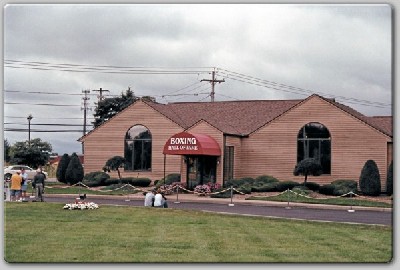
(201, 170)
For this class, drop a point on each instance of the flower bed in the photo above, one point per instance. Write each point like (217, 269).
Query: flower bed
(81, 206)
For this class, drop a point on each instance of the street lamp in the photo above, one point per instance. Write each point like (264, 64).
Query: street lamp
(29, 128)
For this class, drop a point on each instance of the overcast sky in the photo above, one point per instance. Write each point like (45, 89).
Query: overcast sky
(53, 52)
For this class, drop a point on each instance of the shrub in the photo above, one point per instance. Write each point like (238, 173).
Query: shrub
(265, 179)
(389, 180)
(313, 186)
(239, 182)
(74, 172)
(62, 168)
(268, 187)
(202, 189)
(370, 181)
(306, 167)
(327, 189)
(95, 179)
(246, 188)
(226, 194)
(284, 185)
(137, 182)
(339, 187)
(169, 179)
(301, 190)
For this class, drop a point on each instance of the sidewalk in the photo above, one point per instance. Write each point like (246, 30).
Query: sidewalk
(237, 199)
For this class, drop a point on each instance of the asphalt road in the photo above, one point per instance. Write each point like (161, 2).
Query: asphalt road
(375, 217)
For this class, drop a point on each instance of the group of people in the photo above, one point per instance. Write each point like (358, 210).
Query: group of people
(155, 198)
(19, 185)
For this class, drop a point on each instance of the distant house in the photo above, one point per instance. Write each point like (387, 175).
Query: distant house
(217, 141)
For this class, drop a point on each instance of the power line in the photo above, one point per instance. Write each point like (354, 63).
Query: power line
(42, 104)
(104, 69)
(40, 130)
(287, 88)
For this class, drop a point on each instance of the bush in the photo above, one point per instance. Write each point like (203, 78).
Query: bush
(301, 190)
(389, 180)
(269, 187)
(74, 172)
(137, 182)
(284, 185)
(265, 179)
(95, 179)
(327, 189)
(246, 188)
(339, 187)
(62, 168)
(169, 179)
(239, 182)
(313, 186)
(226, 194)
(370, 180)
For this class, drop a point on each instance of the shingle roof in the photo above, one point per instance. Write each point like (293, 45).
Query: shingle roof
(244, 117)
(231, 117)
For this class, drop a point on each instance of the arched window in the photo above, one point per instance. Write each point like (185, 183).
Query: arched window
(138, 149)
(314, 141)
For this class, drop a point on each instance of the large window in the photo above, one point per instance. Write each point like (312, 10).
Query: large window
(314, 141)
(138, 149)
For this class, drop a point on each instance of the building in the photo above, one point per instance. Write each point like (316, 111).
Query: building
(217, 141)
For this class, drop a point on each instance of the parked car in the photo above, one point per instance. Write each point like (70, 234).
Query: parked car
(10, 170)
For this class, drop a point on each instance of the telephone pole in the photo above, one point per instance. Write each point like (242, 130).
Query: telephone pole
(100, 96)
(85, 108)
(213, 81)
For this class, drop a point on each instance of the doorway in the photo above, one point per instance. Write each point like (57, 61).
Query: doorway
(200, 170)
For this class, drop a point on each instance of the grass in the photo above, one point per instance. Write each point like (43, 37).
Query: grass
(45, 232)
(283, 197)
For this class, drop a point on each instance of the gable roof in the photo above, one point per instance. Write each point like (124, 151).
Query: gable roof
(241, 118)
(231, 117)
(244, 117)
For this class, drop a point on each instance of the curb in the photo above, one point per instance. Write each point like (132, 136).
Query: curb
(239, 202)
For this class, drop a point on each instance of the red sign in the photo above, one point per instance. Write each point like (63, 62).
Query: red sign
(185, 143)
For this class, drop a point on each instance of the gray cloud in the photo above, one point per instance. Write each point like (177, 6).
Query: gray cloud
(341, 50)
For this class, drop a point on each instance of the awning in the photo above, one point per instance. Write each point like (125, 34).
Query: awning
(185, 143)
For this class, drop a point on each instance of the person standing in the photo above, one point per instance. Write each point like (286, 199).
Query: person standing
(24, 185)
(16, 180)
(38, 184)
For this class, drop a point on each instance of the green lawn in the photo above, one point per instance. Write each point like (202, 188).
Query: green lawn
(334, 201)
(45, 232)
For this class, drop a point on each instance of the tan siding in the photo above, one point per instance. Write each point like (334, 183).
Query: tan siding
(108, 141)
(237, 155)
(273, 149)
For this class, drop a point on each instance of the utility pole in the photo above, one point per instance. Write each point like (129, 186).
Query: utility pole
(213, 81)
(85, 108)
(100, 96)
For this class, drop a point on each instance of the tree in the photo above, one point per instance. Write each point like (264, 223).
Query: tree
(389, 180)
(7, 147)
(74, 172)
(62, 168)
(34, 154)
(306, 167)
(370, 180)
(113, 164)
(109, 107)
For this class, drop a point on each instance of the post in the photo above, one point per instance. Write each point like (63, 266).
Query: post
(351, 210)
(165, 160)
(177, 191)
(231, 204)
(29, 128)
(288, 199)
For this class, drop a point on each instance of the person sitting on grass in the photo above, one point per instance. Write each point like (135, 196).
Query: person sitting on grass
(149, 198)
(160, 200)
